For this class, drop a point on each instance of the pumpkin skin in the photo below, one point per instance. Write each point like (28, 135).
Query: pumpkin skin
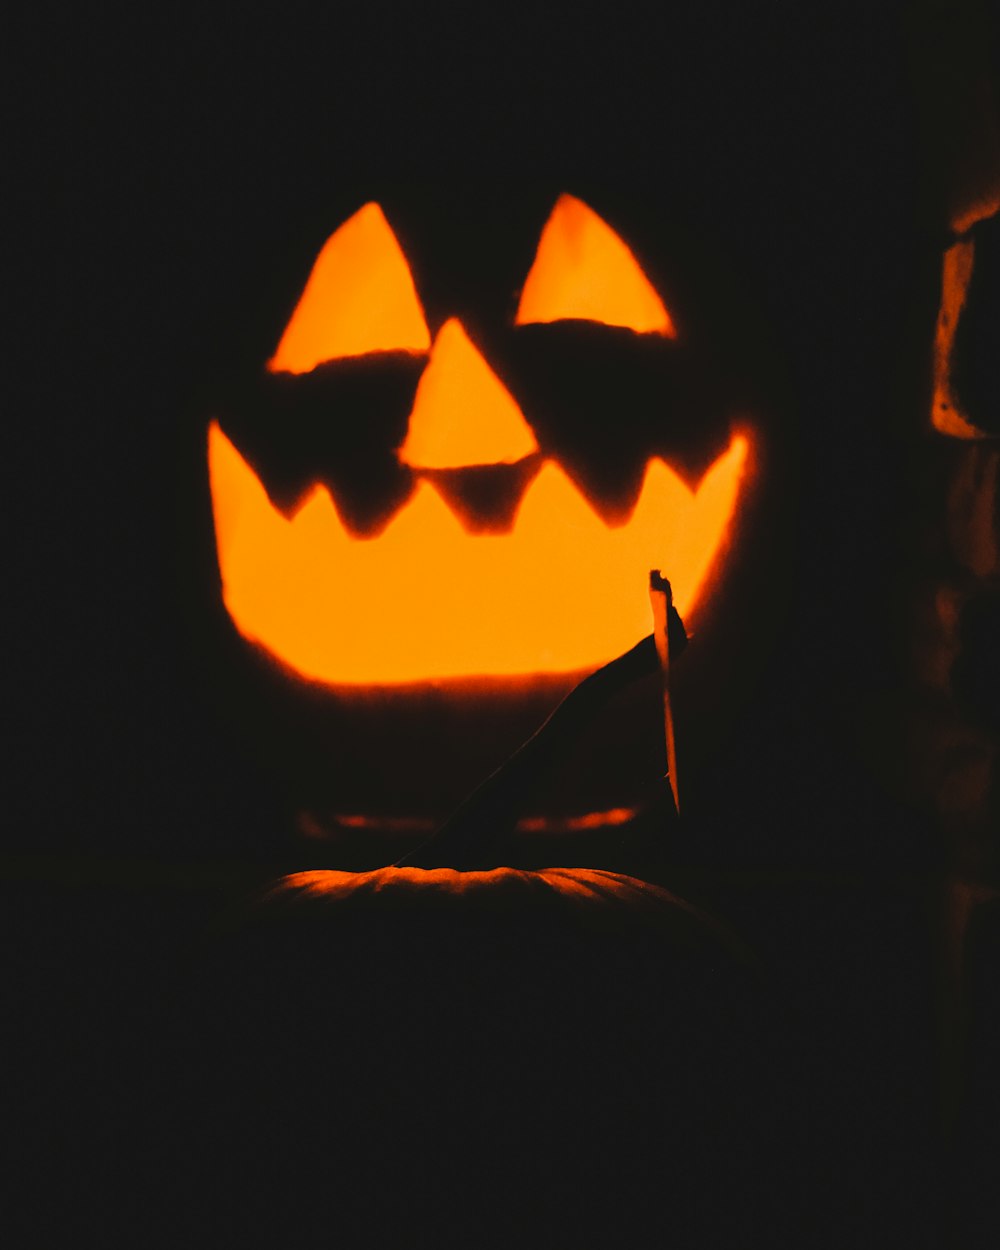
(495, 1055)
(952, 756)
(373, 768)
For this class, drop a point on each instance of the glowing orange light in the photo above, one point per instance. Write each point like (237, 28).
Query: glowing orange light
(463, 414)
(583, 270)
(588, 885)
(946, 413)
(561, 592)
(359, 298)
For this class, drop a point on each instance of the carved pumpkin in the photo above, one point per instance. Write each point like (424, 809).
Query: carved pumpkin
(957, 601)
(441, 522)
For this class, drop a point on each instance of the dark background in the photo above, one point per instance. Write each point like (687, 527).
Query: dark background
(168, 174)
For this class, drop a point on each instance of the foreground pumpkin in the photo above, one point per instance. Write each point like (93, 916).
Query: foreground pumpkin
(422, 1056)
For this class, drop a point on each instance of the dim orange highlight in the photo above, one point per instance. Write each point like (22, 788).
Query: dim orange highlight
(462, 413)
(561, 592)
(526, 824)
(584, 271)
(978, 207)
(946, 414)
(576, 824)
(359, 298)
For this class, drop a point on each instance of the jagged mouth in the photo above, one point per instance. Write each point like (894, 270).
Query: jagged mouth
(425, 600)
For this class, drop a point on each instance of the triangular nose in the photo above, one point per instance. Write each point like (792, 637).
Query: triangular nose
(462, 413)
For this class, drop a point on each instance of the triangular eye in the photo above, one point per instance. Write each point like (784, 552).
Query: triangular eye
(359, 298)
(583, 271)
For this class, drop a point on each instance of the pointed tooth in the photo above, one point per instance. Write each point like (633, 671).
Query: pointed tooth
(425, 518)
(251, 535)
(317, 521)
(553, 505)
(663, 502)
(239, 501)
(695, 546)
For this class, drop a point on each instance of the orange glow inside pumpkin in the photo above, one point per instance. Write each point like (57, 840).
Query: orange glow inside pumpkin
(359, 298)
(456, 384)
(561, 592)
(584, 271)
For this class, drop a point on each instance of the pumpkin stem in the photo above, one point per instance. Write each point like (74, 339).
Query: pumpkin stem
(469, 837)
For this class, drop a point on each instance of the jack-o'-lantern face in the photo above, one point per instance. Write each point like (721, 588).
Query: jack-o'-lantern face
(504, 539)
